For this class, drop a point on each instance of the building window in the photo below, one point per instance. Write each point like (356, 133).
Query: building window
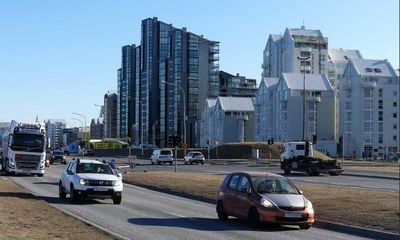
(368, 69)
(380, 104)
(381, 93)
(394, 104)
(377, 70)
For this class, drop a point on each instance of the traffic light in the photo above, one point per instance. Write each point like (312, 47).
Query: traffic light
(341, 140)
(170, 140)
(272, 140)
(177, 140)
(314, 138)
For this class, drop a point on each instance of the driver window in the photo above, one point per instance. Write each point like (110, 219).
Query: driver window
(234, 182)
(244, 183)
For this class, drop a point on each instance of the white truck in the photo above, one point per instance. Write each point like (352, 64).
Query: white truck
(24, 148)
(299, 156)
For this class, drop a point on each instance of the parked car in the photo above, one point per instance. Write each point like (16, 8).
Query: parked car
(263, 197)
(57, 156)
(194, 157)
(90, 179)
(392, 156)
(114, 167)
(164, 155)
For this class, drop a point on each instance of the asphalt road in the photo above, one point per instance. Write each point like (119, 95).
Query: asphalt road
(147, 214)
(355, 179)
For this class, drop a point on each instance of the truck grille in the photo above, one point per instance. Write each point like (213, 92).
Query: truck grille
(30, 162)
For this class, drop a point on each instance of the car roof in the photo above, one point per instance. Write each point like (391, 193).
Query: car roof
(255, 174)
(88, 161)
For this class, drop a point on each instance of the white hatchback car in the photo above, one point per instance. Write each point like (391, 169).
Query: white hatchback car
(90, 179)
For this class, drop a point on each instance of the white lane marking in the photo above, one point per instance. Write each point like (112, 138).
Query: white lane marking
(178, 215)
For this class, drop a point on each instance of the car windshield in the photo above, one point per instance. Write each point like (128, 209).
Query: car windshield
(94, 168)
(165, 152)
(57, 153)
(197, 154)
(264, 184)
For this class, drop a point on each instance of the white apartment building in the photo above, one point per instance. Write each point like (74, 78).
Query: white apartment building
(207, 133)
(230, 119)
(369, 108)
(264, 106)
(55, 130)
(282, 51)
(319, 107)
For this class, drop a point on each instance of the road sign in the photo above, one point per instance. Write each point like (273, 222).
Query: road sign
(184, 145)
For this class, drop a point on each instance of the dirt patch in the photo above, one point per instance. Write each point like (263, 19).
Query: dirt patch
(365, 208)
(24, 216)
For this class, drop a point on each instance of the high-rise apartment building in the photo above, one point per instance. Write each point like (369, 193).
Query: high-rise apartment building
(369, 108)
(282, 52)
(162, 81)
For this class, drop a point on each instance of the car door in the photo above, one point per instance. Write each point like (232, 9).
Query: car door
(243, 195)
(230, 194)
(69, 175)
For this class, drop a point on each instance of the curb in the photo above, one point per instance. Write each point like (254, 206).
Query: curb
(354, 230)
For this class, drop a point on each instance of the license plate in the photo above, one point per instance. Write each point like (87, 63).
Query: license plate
(293, 215)
(100, 189)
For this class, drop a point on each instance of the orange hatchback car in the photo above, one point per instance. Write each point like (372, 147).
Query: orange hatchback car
(263, 197)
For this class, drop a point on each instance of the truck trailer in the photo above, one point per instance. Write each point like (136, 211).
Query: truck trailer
(299, 156)
(24, 148)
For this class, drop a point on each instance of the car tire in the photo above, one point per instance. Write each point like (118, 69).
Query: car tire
(117, 199)
(202, 163)
(40, 175)
(305, 226)
(170, 163)
(61, 193)
(221, 212)
(185, 163)
(254, 218)
(65, 162)
(286, 168)
(73, 195)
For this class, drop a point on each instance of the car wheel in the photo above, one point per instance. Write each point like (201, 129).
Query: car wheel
(73, 195)
(221, 212)
(117, 199)
(305, 226)
(202, 163)
(286, 168)
(185, 163)
(40, 175)
(61, 193)
(65, 162)
(254, 218)
(170, 163)
(158, 163)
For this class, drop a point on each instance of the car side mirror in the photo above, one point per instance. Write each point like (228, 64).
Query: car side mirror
(245, 190)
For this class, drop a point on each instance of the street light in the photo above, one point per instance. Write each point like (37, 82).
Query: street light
(184, 109)
(303, 59)
(141, 125)
(109, 120)
(85, 121)
(83, 152)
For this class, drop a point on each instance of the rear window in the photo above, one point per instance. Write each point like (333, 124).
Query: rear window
(166, 152)
(300, 147)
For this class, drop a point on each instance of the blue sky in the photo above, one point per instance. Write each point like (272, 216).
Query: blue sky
(59, 57)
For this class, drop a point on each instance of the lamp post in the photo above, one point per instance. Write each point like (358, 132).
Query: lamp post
(141, 125)
(109, 120)
(303, 59)
(184, 109)
(83, 152)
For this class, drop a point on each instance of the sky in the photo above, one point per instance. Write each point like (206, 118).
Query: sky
(61, 57)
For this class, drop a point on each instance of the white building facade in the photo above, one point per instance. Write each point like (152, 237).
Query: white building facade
(265, 106)
(319, 107)
(230, 119)
(369, 108)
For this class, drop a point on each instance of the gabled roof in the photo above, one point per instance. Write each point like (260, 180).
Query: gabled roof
(376, 68)
(343, 54)
(305, 32)
(237, 104)
(276, 37)
(314, 82)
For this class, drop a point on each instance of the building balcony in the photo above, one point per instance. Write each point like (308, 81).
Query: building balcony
(369, 84)
(314, 99)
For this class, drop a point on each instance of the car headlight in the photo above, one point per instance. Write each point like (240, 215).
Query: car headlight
(117, 182)
(266, 203)
(83, 181)
(309, 204)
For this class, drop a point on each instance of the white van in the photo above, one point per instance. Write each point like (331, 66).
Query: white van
(164, 155)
